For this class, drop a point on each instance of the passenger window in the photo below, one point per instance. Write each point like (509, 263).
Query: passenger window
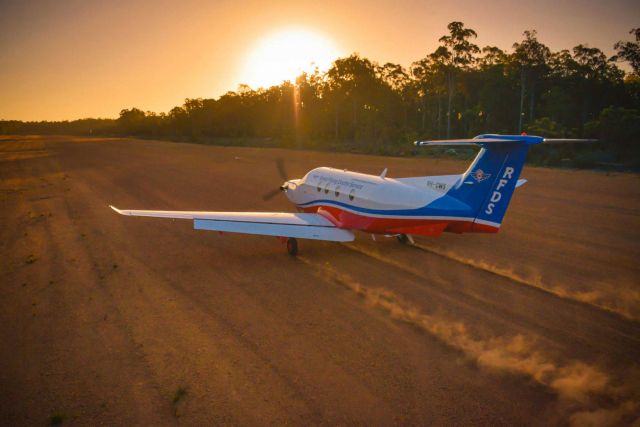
(326, 189)
(352, 194)
(319, 189)
(338, 191)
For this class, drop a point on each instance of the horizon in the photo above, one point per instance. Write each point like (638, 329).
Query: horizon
(88, 60)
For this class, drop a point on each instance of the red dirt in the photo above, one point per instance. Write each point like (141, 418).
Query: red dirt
(104, 318)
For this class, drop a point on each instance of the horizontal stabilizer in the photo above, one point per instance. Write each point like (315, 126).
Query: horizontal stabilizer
(521, 182)
(567, 140)
(458, 142)
(493, 139)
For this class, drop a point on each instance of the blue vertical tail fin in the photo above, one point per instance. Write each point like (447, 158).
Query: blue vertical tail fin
(488, 184)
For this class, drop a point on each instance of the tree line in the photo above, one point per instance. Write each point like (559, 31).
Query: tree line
(458, 90)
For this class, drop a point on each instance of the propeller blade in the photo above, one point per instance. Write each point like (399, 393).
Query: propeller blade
(281, 169)
(271, 194)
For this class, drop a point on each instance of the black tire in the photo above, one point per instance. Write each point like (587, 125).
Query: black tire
(292, 246)
(402, 238)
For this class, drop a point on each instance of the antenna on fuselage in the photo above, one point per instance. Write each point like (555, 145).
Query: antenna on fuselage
(384, 173)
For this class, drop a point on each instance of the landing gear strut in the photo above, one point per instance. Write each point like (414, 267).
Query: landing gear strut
(405, 239)
(292, 246)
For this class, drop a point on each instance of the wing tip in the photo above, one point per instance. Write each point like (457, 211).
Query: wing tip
(570, 140)
(116, 209)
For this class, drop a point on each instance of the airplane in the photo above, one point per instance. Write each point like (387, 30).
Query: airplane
(333, 203)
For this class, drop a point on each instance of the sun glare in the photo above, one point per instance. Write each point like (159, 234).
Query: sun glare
(286, 54)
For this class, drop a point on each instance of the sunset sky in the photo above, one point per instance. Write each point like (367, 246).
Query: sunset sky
(74, 59)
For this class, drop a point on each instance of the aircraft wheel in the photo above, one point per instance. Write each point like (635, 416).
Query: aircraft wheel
(402, 238)
(292, 246)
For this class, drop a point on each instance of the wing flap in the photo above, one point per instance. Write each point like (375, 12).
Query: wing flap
(314, 232)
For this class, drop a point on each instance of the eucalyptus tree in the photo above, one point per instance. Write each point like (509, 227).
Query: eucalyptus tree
(354, 80)
(495, 90)
(594, 72)
(559, 98)
(132, 121)
(178, 121)
(400, 98)
(344, 84)
(629, 51)
(197, 115)
(492, 56)
(456, 53)
(532, 57)
(395, 76)
(308, 105)
(429, 81)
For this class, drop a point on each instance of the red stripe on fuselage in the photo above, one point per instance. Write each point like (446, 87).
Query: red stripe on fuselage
(377, 225)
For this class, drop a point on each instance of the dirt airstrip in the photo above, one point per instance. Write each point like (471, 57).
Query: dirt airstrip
(111, 320)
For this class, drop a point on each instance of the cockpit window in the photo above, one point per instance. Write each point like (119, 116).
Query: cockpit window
(319, 188)
(352, 194)
(338, 191)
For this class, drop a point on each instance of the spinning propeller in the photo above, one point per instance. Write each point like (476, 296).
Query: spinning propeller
(283, 175)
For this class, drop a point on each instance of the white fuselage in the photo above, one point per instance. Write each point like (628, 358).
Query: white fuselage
(375, 203)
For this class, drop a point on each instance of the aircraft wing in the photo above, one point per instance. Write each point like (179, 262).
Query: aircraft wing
(279, 224)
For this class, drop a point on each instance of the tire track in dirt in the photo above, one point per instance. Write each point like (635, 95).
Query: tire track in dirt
(205, 321)
(582, 388)
(63, 321)
(597, 298)
(179, 326)
(626, 330)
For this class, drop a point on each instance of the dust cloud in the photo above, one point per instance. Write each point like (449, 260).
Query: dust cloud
(582, 389)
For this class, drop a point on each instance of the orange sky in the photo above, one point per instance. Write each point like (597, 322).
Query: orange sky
(73, 59)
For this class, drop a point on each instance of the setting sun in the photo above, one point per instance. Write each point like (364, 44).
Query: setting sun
(285, 54)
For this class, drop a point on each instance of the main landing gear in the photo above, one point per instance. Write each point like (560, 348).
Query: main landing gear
(292, 246)
(405, 239)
